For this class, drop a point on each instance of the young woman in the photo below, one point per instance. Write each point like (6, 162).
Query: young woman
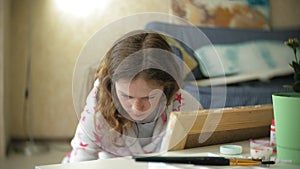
(138, 84)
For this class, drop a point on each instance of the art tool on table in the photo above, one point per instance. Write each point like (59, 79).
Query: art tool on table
(202, 160)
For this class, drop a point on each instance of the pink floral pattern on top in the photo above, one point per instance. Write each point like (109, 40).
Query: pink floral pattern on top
(93, 140)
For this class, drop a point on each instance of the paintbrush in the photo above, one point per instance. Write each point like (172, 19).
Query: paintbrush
(202, 160)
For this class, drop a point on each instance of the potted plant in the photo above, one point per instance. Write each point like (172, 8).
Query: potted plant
(287, 114)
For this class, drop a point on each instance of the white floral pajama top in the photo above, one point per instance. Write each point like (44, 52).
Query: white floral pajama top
(92, 138)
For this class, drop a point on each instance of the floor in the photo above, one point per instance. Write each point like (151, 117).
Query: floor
(17, 159)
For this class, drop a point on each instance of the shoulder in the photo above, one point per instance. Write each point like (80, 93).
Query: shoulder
(88, 113)
(184, 101)
(96, 83)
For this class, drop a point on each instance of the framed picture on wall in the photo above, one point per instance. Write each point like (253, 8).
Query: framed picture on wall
(223, 13)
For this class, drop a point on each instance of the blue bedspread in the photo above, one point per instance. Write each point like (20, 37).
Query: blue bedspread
(241, 94)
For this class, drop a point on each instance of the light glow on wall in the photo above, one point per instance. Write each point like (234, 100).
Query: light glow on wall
(81, 8)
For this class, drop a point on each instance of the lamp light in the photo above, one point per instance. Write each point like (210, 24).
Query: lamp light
(81, 8)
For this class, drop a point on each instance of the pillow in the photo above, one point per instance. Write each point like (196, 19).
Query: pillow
(247, 57)
(186, 55)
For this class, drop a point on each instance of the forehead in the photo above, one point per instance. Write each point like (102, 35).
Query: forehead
(137, 86)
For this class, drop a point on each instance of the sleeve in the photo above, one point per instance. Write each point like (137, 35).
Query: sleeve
(84, 143)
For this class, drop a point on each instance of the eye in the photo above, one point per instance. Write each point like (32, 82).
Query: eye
(146, 98)
(126, 96)
(151, 97)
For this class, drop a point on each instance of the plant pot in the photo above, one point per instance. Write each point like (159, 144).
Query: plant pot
(287, 123)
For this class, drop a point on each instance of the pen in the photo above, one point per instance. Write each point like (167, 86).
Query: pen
(202, 160)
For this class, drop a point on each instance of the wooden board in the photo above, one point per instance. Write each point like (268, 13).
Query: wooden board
(216, 126)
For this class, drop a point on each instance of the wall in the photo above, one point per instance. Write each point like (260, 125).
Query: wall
(285, 14)
(17, 65)
(4, 51)
(56, 40)
(2, 127)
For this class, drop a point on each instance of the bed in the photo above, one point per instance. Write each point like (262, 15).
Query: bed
(254, 62)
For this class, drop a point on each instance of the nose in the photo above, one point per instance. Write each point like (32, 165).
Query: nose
(138, 105)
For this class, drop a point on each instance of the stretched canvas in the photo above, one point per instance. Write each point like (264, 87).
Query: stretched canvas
(223, 13)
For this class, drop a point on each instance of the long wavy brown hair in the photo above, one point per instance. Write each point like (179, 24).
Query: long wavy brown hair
(140, 53)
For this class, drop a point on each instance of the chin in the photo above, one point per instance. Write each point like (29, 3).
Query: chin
(137, 118)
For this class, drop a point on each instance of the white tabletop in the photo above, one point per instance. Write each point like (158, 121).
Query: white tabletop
(129, 163)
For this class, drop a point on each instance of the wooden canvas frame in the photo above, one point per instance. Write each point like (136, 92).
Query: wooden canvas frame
(234, 124)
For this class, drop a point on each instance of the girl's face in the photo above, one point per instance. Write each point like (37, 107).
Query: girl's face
(138, 97)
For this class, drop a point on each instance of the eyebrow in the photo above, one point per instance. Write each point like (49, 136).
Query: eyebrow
(152, 95)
